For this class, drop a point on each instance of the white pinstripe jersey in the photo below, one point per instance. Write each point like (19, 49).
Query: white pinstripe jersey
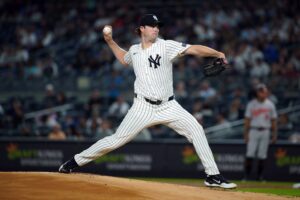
(153, 67)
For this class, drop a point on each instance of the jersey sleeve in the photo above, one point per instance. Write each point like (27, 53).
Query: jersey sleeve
(273, 112)
(127, 58)
(248, 111)
(175, 49)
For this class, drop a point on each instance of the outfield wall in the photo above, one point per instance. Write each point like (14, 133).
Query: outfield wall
(147, 159)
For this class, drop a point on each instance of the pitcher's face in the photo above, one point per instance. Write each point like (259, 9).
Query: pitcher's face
(150, 32)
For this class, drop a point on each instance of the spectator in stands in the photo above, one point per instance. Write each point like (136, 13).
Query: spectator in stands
(93, 127)
(273, 97)
(61, 98)
(295, 60)
(51, 120)
(284, 124)
(244, 54)
(89, 37)
(2, 116)
(239, 62)
(119, 108)
(159, 131)
(222, 126)
(28, 36)
(207, 93)
(290, 71)
(72, 132)
(16, 113)
(222, 122)
(69, 124)
(33, 69)
(238, 93)
(199, 117)
(94, 103)
(236, 110)
(25, 130)
(117, 80)
(57, 133)
(180, 71)
(203, 113)
(255, 55)
(260, 68)
(50, 96)
(50, 69)
(180, 91)
(183, 70)
(294, 138)
(144, 135)
(275, 69)
(105, 129)
(271, 53)
(197, 107)
(81, 126)
(13, 54)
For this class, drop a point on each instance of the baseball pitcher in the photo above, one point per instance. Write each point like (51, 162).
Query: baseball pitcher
(154, 101)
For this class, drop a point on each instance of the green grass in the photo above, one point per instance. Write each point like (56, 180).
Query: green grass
(280, 192)
(276, 188)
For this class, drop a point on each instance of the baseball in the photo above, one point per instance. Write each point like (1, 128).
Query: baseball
(107, 30)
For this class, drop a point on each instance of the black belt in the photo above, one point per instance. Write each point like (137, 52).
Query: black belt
(260, 128)
(158, 102)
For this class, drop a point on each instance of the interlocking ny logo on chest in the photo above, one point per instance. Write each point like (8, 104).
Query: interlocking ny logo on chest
(154, 62)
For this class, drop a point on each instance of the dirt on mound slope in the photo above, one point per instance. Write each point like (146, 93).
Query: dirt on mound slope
(46, 185)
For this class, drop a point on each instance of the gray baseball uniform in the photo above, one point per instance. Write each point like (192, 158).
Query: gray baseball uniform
(153, 104)
(260, 115)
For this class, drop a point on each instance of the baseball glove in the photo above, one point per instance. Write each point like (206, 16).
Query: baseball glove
(215, 68)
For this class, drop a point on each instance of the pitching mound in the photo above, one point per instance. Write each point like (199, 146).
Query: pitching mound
(44, 185)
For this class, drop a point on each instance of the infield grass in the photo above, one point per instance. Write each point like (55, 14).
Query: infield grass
(267, 187)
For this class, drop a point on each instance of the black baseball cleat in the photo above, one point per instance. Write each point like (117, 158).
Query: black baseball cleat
(68, 166)
(218, 181)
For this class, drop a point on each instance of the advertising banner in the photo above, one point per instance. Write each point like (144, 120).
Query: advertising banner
(146, 159)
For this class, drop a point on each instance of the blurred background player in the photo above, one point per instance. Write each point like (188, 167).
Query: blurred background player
(260, 126)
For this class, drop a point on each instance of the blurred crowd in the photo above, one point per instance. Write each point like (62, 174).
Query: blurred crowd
(58, 42)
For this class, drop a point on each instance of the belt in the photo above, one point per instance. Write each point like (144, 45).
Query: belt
(157, 102)
(260, 128)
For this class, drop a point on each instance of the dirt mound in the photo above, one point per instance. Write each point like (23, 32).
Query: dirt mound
(45, 185)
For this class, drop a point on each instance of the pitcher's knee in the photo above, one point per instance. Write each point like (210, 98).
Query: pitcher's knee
(198, 131)
(194, 125)
(116, 141)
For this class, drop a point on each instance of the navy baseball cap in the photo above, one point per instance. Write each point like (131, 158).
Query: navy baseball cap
(150, 20)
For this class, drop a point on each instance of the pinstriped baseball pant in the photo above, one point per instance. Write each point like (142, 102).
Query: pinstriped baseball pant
(142, 115)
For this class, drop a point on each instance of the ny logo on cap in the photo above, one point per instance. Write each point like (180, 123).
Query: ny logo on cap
(154, 17)
(155, 61)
